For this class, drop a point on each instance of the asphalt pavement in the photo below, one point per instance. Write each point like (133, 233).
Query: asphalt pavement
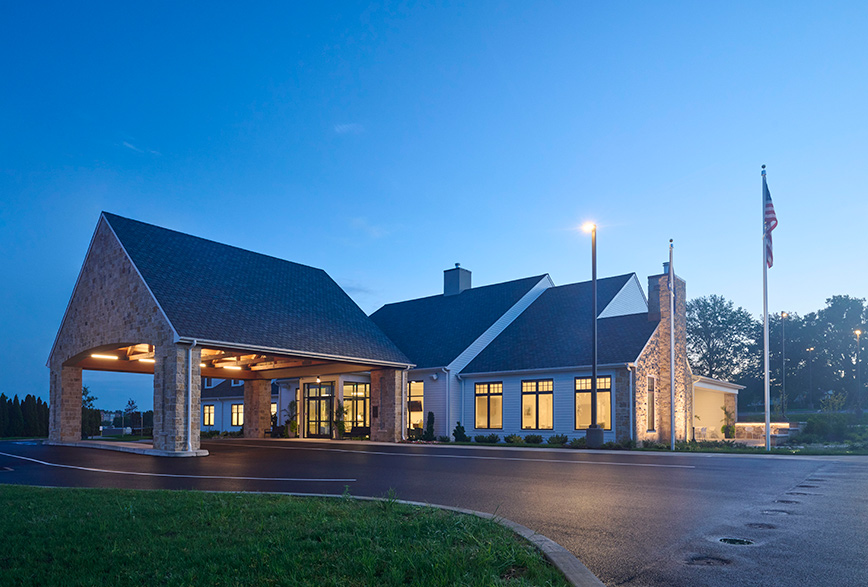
(633, 518)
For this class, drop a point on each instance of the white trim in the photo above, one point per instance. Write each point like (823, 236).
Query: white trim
(545, 370)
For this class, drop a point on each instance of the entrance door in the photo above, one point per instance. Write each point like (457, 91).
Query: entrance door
(319, 398)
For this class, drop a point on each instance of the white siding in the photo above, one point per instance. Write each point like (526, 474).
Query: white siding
(630, 300)
(564, 415)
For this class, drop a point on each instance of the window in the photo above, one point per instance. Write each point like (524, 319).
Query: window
(489, 405)
(583, 402)
(357, 402)
(652, 397)
(238, 414)
(207, 415)
(273, 408)
(237, 383)
(209, 382)
(537, 404)
(416, 405)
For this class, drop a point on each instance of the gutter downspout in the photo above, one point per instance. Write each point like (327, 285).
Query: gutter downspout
(630, 367)
(448, 378)
(404, 376)
(460, 400)
(190, 396)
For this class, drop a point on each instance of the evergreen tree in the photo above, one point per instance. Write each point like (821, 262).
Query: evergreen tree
(31, 419)
(16, 419)
(43, 414)
(4, 415)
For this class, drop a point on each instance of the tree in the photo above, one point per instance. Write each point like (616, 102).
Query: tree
(719, 337)
(4, 415)
(131, 412)
(16, 419)
(31, 418)
(90, 416)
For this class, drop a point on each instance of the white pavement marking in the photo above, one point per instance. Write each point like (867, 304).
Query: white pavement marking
(90, 469)
(408, 454)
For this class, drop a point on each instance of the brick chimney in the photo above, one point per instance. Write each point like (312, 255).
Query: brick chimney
(455, 280)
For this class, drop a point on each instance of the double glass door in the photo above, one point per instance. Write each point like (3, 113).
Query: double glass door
(319, 399)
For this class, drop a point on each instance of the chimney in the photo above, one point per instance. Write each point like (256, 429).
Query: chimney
(455, 280)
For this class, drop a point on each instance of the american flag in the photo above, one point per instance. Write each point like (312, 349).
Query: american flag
(770, 221)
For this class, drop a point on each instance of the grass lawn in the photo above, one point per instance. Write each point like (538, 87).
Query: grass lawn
(124, 537)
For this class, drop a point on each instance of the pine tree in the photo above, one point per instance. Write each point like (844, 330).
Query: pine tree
(43, 411)
(28, 410)
(4, 415)
(16, 419)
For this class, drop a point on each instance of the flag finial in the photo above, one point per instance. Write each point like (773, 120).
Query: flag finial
(764, 165)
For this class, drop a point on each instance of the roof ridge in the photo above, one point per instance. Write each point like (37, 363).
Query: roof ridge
(201, 238)
(481, 287)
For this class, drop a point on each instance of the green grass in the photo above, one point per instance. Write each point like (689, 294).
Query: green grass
(124, 537)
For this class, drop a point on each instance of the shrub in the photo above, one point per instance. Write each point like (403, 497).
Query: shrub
(429, 428)
(487, 438)
(557, 439)
(414, 434)
(533, 439)
(513, 439)
(460, 434)
(580, 442)
(827, 427)
(443, 439)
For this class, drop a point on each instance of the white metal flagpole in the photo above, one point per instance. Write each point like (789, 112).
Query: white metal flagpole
(671, 286)
(766, 315)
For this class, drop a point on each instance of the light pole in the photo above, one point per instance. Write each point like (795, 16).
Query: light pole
(783, 368)
(858, 333)
(594, 436)
(811, 376)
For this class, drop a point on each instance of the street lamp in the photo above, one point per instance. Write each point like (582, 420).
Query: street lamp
(811, 376)
(594, 435)
(858, 333)
(783, 368)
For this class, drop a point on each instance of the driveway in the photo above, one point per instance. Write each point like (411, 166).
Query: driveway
(632, 518)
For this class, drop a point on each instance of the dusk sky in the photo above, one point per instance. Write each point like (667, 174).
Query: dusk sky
(384, 143)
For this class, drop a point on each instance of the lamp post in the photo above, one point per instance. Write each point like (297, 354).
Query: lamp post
(783, 367)
(811, 376)
(858, 334)
(594, 436)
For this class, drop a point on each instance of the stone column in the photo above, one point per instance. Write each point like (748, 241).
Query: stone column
(257, 407)
(170, 397)
(65, 402)
(386, 405)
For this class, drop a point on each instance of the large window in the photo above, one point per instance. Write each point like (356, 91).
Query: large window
(537, 403)
(583, 402)
(207, 415)
(652, 397)
(357, 403)
(489, 405)
(238, 414)
(416, 405)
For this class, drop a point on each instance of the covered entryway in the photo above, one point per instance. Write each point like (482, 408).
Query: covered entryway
(152, 300)
(714, 406)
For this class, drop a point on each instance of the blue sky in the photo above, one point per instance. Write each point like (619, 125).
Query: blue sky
(386, 142)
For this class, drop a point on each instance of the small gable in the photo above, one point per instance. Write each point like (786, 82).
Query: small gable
(630, 300)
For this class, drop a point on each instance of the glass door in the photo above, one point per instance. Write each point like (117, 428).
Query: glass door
(319, 398)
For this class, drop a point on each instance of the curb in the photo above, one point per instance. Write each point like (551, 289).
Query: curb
(572, 568)
(125, 447)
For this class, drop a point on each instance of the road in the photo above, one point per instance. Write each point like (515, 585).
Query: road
(636, 519)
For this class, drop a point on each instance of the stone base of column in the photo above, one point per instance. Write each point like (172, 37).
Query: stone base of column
(65, 404)
(386, 405)
(257, 408)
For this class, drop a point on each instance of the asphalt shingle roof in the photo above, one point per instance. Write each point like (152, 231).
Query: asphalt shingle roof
(217, 292)
(555, 331)
(433, 331)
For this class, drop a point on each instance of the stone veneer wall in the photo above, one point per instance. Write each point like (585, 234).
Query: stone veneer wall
(257, 407)
(387, 401)
(654, 362)
(110, 308)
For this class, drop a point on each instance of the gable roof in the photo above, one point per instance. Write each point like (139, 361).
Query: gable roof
(220, 293)
(555, 331)
(433, 331)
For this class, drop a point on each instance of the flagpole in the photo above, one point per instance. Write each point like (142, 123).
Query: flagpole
(766, 318)
(671, 346)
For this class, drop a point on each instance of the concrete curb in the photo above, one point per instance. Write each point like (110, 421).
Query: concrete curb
(575, 572)
(128, 447)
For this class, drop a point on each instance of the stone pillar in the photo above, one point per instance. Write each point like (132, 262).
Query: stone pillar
(658, 307)
(65, 404)
(257, 407)
(387, 400)
(170, 397)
